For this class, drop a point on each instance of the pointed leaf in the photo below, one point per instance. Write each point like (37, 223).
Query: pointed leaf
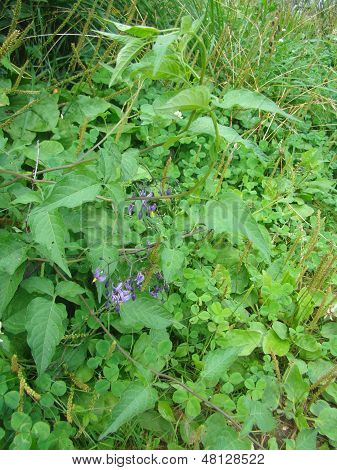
(295, 386)
(8, 286)
(49, 231)
(217, 363)
(246, 99)
(135, 400)
(196, 98)
(45, 327)
(145, 311)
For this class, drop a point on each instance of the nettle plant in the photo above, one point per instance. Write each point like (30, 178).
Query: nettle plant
(116, 269)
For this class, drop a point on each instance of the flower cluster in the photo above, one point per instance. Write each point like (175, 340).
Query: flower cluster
(120, 293)
(146, 208)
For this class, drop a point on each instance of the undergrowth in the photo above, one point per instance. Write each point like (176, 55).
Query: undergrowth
(168, 210)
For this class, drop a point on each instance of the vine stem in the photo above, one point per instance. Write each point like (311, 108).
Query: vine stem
(160, 375)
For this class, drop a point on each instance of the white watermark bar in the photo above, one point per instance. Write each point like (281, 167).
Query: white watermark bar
(189, 460)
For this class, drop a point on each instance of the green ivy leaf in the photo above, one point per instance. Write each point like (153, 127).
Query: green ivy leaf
(136, 399)
(45, 327)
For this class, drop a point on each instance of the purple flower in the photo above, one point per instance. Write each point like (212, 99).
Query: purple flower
(169, 191)
(139, 279)
(133, 296)
(131, 208)
(99, 275)
(122, 293)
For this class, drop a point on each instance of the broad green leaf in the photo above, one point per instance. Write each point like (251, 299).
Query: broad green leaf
(327, 423)
(165, 411)
(329, 330)
(129, 164)
(71, 191)
(45, 327)
(69, 290)
(13, 252)
(48, 230)
(245, 341)
(306, 440)
(109, 163)
(232, 216)
(204, 125)
(273, 344)
(295, 386)
(128, 52)
(138, 31)
(160, 48)
(257, 413)
(196, 98)
(145, 311)
(41, 285)
(192, 408)
(172, 261)
(217, 435)
(217, 363)
(135, 400)
(246, 99)
(103, 256)
(9, 285)
(280, 329)
(48, 152)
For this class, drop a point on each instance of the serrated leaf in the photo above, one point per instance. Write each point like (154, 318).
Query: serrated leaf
(49, 231)
(135, 400)
(45, 328)
(145, 311)
(246, 99)
(196, 98)
(71, 191)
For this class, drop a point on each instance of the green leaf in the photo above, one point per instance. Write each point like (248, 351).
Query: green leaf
(71, 191)
(306, 440)
(135, 400)
(246, 99)
(272, 343)
(145, 311)
(232, 216)
(244, 340)
(165, 411)
(138, 31)
(327, 423)
(217, 363)
(191, 99)
(280, 329)
(21, 422)
(161, 47)
(329, 330)
(172, 261)
(204, 125)
(128, 52)
(257, 413)
(48, 230)
(217, 435)
(45, 327)
(13, 252)
(193, 408)
(41, 285)
(69, 290)
(295, 386)
(8, 286)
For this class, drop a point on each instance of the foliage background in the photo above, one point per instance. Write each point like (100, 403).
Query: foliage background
(201, 154)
